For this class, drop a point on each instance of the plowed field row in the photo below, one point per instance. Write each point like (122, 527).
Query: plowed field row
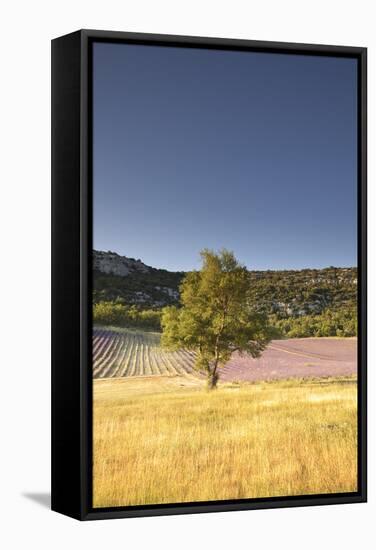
(128, 353)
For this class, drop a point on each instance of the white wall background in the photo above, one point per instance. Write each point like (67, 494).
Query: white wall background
(27, 27)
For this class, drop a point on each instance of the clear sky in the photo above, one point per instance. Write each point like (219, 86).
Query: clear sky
(255, 152)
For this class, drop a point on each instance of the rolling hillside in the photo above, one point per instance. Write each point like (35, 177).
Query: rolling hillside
(320, 294)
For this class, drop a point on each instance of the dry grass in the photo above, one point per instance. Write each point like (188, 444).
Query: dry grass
(166, 439)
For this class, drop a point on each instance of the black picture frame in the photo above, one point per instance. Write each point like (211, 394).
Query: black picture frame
(71, 274)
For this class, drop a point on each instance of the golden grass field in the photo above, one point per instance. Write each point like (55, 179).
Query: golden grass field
(165, 439)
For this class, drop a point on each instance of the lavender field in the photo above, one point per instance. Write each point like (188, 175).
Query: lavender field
(123, 353)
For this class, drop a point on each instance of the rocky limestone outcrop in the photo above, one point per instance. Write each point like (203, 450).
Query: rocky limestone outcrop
(112, 263)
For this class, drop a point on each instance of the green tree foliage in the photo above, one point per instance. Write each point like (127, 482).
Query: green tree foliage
(341, 323)
(303, 292)
(117, 314)
(215, 318)
(108, 287)
(299, 303)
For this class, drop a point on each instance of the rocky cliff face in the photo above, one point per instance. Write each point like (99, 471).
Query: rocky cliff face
(113, 264)
(133, 282)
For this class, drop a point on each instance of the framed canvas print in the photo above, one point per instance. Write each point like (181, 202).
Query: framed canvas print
(209, 274)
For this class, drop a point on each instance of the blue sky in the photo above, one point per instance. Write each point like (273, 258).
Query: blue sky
(255, 152)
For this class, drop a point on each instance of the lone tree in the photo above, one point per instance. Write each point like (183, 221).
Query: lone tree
(215, 318)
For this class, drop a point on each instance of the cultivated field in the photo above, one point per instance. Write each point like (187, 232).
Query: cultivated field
(123, 353)
(160, 439)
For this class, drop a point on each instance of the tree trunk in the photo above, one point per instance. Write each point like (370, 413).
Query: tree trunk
(212, 380)
(213, 376)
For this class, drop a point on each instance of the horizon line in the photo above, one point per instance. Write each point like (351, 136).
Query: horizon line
(248, 269)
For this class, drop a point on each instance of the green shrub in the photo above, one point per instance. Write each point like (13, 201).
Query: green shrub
(114, 313)
(341, 323)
